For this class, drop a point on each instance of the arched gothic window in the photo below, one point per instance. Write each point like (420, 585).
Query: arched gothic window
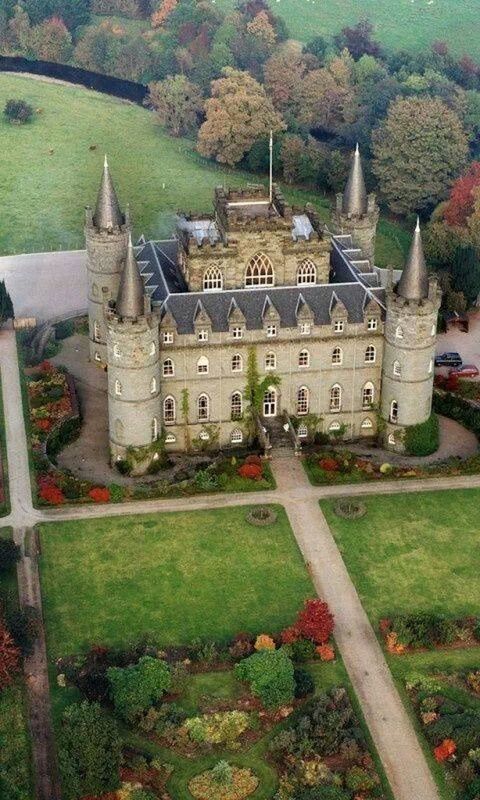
(116, 350)
(397, 369)
(306, 273)
(236, 405)
(337, 355)
(237, 363)
(154, 429)
(336, 398)
(168, 368)
(370, 354)
(304, 358)
(203, 408)
(367, 424)
(399, 332)
(153, 385)
(212, 280)
(236, 436)
(368, 394)
(303, 398)
(96, 331)
(394, 411)
(118, 388)
(259, 271)
(202, 365)
(169, 410)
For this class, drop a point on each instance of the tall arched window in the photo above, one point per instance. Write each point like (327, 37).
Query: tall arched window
(337, 355)
(399, 332)
(394, 411)
(368, 394)
(153, 385)
(306, 273)
(116, 350)
(168, 368)
(259, 271)
(270, 361)
(96, 331)
(236, 436)
(118, 388)
(203, 408)
(303, 397)
(202, 365)
(236, 405)
(397, 369)
(212, 280)
(154, 429)
(153, 349)
(169, 410)
(237, 363)
(304, 358)
(370, 354)
(336, 398)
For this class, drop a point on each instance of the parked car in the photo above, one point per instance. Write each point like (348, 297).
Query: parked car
(465, 371)
(448, 360)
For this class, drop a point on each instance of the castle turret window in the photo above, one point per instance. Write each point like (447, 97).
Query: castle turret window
(154, 429)
(236, 405)
(337, 355)
(270, 361)
(169, 409)
(118, 388)
(306, 273)
(153, 349)
(304, 358)
(399, 332)
(202, 366)
(336, 398)
(434, 329)
(116, 351)
(237, 363)
(368, 393)
(367, 424)
(397, 369)
(339, 326)
(203, 408)
(96, 331)
(394, 411)
(153, 385)
(430, 366)
(212, 280)
(370, 354)
(259, 271)
(303, 398)
(168, 368)
(372, 324)
(236, 436)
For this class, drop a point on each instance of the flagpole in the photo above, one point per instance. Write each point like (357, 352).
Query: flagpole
(271, 166)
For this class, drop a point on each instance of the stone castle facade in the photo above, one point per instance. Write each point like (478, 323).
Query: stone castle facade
(174, 322)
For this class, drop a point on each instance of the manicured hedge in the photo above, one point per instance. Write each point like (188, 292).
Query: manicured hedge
(423, 439)
(457, 408)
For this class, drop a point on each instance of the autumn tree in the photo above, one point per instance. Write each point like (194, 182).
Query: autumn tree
(283, 73)
(178, 102)
(9, 657)
(462, 198)
(51, 41)
(160, 16)
(19, 29)
(73, 12)
(419, 149)
(326, 97)
(315, 621)
(238, 113)
(358, 40)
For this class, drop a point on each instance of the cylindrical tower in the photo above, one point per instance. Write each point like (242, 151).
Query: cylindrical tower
(133, 373)
(106, 235)
(409, 351)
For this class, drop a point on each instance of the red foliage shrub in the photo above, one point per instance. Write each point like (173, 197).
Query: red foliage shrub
(445, 750)
(43, 424)
(100, 494)
(46, 366)
(9, 657)
(328, 464)
(52, 494)
(462, 197)
(315, 621)
(252, 471)
(253, 459)
(326, 652)
(290, 635)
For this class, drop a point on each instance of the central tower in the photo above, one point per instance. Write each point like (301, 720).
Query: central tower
(357, 213)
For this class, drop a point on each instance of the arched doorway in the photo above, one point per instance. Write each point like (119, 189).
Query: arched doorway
(270, 403)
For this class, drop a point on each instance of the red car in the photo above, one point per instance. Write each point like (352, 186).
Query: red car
(465, 371)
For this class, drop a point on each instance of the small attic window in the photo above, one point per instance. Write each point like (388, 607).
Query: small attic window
(339, 325)
(202, 335)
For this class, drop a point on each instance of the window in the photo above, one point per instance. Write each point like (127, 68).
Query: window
(212, 280)
(302, 401)
(204, 436)
(170, 438)
(202, 366)
(305, 328)
(368, 393)
(153, 349)
(236, 405)
(118, 388)
(236, 436)
(334, 426)
(394, 411)
(339, 326)
(399, 332)
(430, 367)
(168, 368)
(237, 332)
(434, 329)
(259, 271)
(153, 385)
(304, 358)
(154, 429)
(370, 354)
(237, 363)
(96, 331)
(116, 351)
(372, 324)
(397, 370)
(302, 432)
(367, 424)
(391, 438)
(169, 411)
(97, 356)
(336, 398)
(337, 355)
(306, 273)
(202, 335)
(271, 331)
(270, 361)
(203, 408)
(167, 338)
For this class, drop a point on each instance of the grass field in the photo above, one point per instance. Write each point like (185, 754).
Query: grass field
(51, 173)
(413, 552)
(405, 24)
(179, 577)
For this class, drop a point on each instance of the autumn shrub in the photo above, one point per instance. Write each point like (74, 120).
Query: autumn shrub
(50, 493)
(329, 464)
(253, 459)
(100, 494)
(473, 681)
(326, 652)
(264, 642)
(9, 657)
(270, 676)
(315, 621)
(445, 750)
(251, 471)
(290, 635)
(137, 687)
(223, 727)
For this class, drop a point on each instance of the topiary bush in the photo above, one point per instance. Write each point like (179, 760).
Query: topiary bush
(423, 439)
(270, 676)
(304, 683)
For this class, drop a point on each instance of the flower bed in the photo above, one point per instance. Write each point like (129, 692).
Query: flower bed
(425, 630)
(238, 784)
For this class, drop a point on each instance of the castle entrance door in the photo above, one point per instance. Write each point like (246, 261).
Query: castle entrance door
(270, 403)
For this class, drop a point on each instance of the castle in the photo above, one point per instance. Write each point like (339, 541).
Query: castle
(174, 322)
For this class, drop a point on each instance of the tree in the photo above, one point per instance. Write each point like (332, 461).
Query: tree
(9, 657)
(317, 47)
(315, 621)
(137, 687)
(162, 13)
(461, 202)
(466, 273)
(358, 40)
(178, 102)
(6, 305)
(51, 41)
(237, 115)
(89, 753)
(19, 29)
(73, 12)
(270, 675)
(9, 553)
(18, 112)
(326, 98)
(419, 149)
(283, 73)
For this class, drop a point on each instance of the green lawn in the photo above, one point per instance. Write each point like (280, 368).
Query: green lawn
(51, 173)
(413, 552)
(179, 577)
(405, 24)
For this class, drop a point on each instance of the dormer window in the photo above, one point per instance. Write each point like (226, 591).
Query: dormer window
(271, 331)
(237, 332)
(339, 325)
(167, 338)
(372, 324)
(305, 329)
(202, 335)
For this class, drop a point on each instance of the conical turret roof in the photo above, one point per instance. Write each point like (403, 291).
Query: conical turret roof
(355, 194)
(107, 211)
(413, 285)
(131, 292)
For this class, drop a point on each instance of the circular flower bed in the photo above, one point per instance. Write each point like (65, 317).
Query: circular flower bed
(350, 509)
(261, 516)
(241, 783)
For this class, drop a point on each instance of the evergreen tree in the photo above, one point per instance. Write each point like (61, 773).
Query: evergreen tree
(6, 305)
(466, 272)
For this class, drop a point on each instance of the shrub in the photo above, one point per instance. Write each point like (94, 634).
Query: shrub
(325, 652)
(304, 683)
(445, 750)
(52, 494)
(270, 675)
(222, 773)
(303, 650)
(9, 554)
(328, 464)
(358, 779)
(423, 439)
(9, 657)
(254, 459)
(473, 681)
(241, 646)
(423, 629)
(18, 111)
(315, 621)
(116, 493)
(64, 329)
(321, 793)
(290, 635)
(221, 727)
(135, 688)
(251, 471)
(100, 494)
(264, 642)
(23, 626)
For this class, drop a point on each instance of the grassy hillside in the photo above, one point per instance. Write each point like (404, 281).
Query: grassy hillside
(408, 24)
(52, 172)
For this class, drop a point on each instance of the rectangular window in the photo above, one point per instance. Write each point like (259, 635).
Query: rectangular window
(305, 328)
(372, 324)
(237, 333)
(271, 331)
(339, 326)
(202, 335)
(168, 337)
